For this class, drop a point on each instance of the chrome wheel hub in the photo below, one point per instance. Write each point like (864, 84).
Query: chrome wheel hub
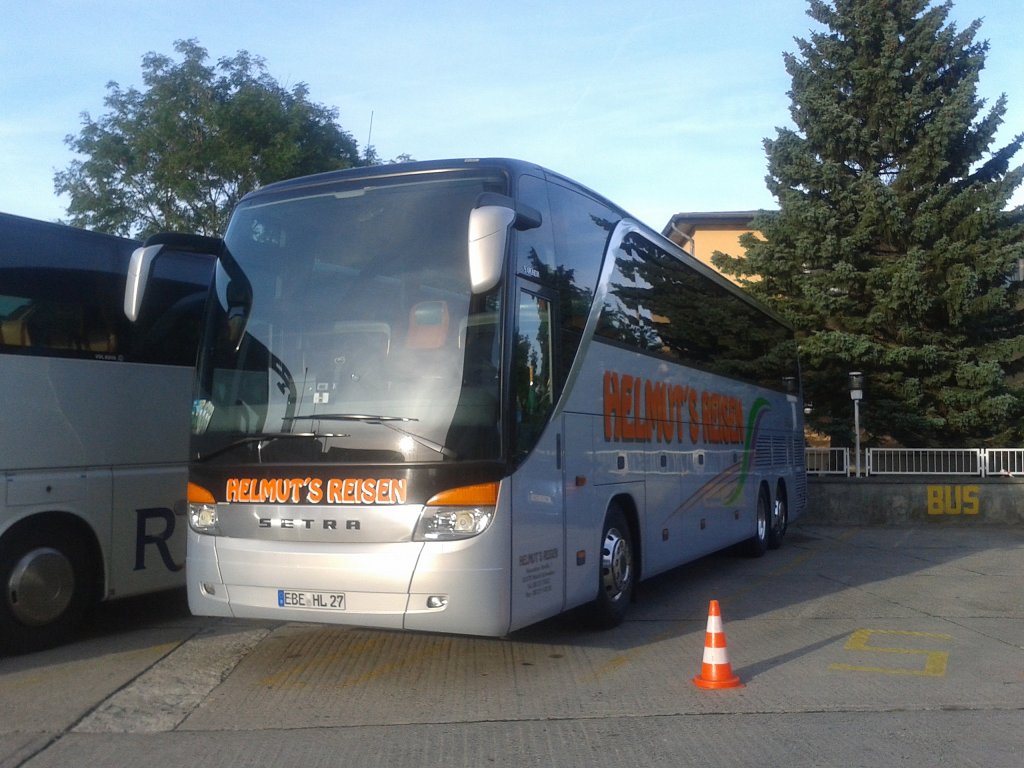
(616, 564)
(40, 587)
(778, 516)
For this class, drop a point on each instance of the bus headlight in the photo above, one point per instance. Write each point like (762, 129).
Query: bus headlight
(202, 510)
(203, 518)
(458, 513)
(449, 524)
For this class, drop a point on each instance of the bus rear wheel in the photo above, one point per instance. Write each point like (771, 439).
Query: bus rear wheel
(45, 576)
(778, 523)
(757, 544)
(617, 572)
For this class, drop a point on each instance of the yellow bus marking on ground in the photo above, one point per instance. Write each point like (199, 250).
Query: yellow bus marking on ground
(934, 662)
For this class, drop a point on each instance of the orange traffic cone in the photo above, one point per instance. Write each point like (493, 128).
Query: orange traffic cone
(716, 672)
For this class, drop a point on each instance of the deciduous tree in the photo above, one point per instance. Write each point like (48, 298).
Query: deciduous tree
(179, 154)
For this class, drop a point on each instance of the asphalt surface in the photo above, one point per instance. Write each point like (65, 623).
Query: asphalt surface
(857, 646)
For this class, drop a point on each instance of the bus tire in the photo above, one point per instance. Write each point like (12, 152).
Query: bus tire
(47, 580)
(779, 521)
(757, 544)
(616, 573)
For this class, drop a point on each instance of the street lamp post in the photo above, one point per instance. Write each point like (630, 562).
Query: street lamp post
(856, 394)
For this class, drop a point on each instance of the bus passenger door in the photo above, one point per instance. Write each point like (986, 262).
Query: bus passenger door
(538, 530)
(585, 506)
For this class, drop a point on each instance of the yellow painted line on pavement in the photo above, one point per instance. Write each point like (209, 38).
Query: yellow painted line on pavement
(935, 662)
(292, 677)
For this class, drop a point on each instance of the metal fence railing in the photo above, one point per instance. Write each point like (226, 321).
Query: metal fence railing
(827, 461)
(977, 462)
(924, 461)
(1004, 462)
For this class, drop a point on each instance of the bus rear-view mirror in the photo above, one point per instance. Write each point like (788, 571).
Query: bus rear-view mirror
(142, 259)
(489, 224)
(138, 275)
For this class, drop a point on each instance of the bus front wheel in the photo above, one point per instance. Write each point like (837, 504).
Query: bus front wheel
(617, 572)
(46, 588)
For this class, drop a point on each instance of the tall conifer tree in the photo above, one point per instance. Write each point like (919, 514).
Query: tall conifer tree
(893, 250)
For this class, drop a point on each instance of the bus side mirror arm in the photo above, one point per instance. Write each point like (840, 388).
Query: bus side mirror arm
(489, 224)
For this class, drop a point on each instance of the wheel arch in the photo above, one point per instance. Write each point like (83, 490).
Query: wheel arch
(764, 488)
(57, 522)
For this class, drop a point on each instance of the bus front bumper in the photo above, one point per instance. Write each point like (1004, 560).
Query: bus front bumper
(427, 586)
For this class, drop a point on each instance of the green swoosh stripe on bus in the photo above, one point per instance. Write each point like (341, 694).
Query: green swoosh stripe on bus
(753, 419)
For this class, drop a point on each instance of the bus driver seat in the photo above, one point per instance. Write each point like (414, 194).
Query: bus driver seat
(427, 357)
(428, 326)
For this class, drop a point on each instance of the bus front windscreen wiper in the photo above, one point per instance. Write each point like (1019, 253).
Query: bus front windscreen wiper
(366, 417)
(384, 421)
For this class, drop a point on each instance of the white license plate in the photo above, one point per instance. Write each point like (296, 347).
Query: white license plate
(323, 601)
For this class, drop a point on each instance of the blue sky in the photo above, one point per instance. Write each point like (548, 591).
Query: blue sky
(661, 106)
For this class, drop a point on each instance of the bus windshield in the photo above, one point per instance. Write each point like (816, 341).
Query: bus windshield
(343, 328)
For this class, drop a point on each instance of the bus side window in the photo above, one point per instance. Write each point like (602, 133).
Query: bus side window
(581, 227)
(72, 327)
(535, 249)
(532, 369)
(13, 327)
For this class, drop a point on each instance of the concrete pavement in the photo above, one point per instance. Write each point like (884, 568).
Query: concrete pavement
(857, 646)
